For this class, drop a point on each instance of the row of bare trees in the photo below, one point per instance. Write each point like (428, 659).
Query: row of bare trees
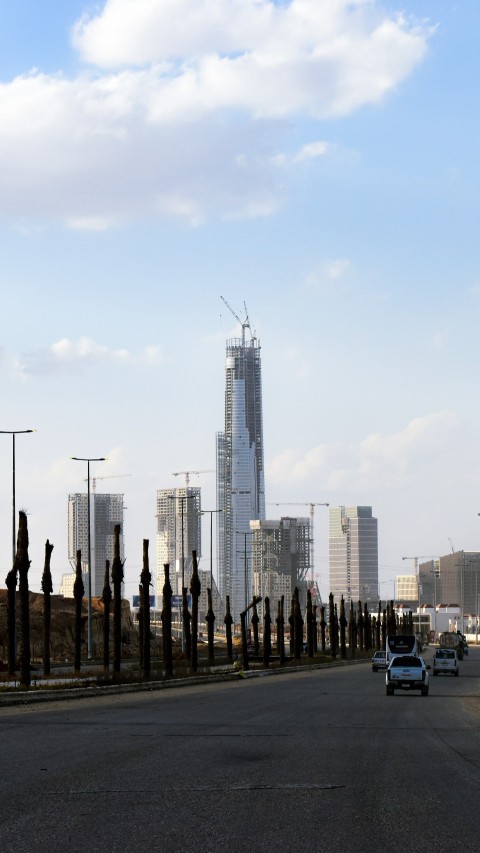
(361, 631)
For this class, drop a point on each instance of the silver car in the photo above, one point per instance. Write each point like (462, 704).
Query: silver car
(379, 661)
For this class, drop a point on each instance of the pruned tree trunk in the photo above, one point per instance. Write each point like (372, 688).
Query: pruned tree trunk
(107, 600)
(331, 625)
(11, 583)
(255, 620)
(117, 578)
(343, 629)
(228, 630)
(167, 622)
(281, 630)
(23, 565)
(291, 622)
(323, 629)
(298, 621)
(210, 620)
(351, 631)
(310, 624)
(187, 624)
(47, 589)
(140, 626)
(146, 579)
(267, 632)
(195, 589)
(78, 593)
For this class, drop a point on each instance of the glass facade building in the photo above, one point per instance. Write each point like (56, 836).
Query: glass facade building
(353, 553)
(240, 471)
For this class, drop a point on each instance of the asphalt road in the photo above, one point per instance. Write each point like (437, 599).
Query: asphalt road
(315, 761)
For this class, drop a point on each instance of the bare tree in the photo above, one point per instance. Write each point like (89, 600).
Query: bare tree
(107, 600)
(47, 589)
(23, 565)
(146, 579)
(117, 578)
(11, 583)
(78, 593)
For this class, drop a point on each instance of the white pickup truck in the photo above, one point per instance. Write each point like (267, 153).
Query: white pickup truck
(407, 672)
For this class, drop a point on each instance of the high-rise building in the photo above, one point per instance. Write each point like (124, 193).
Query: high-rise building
(105, 512)
(178, 534)
(353, 553)
(452, 579)
(281, 560)
(240, 470)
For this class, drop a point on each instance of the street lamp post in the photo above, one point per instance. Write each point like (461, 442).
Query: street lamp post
(89, 459)
(182, 499)
(211, 512)
(245, 533)
(13, 433)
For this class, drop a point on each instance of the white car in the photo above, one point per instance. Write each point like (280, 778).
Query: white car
(445, 660)
(407, 672)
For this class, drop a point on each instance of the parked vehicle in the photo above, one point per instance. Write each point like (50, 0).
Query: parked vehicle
(445, 660)
(407, 672)
(379, 661)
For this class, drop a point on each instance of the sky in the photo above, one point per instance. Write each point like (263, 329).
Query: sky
(316, 162)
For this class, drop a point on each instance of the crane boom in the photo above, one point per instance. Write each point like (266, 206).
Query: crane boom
(106, 477)
(187, 473)
(245, 324)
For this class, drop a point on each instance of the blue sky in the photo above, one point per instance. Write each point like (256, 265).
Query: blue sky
(320, 162)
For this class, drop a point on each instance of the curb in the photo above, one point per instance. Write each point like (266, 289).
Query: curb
(54, 695)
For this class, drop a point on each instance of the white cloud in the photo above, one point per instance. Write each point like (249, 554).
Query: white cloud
(328, 273)
(66, 354)
(377, 461)
(188, 120)
(310, 151)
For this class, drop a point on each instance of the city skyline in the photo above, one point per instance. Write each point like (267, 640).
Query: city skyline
(150, 165)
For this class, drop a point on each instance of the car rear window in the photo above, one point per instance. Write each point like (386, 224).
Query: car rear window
(406, 660)
(444, 653)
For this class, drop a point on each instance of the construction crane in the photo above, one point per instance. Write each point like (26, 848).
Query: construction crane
(245, 324)
(187, 473)
(420, 557)
(312, 505)
(451, 545)
(106, 477)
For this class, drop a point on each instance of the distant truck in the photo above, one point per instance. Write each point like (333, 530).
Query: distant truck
(454, 640)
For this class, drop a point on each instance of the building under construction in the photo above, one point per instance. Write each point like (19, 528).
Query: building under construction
(106, 510)
(240, 469)
(281, 560)
(178, 534)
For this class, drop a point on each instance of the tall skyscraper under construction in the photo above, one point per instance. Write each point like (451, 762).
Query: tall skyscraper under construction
(240, 470)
